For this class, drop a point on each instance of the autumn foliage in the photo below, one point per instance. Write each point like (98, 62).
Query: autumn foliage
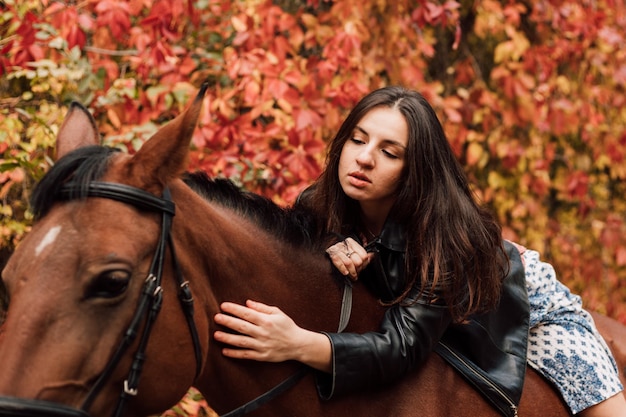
(532, 95)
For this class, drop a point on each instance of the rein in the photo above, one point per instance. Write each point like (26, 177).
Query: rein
(151, 297)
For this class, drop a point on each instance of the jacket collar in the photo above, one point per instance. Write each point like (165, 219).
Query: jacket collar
(393, 236)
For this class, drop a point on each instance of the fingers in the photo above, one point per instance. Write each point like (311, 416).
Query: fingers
(253, 312)
(263, 332)
(248, 320)
(349, 257)
(244, 320)
(243, 347)
(262, 308)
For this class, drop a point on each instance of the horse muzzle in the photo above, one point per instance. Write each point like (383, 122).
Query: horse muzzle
(19, 407)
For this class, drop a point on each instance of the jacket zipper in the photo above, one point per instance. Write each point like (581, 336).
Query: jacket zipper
(485, 380)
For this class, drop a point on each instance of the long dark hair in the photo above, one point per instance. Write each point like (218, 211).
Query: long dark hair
(454, 246)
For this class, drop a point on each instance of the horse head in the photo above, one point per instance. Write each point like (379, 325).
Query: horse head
(74, 284)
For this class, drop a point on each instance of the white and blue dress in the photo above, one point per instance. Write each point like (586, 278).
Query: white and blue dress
(564, 345)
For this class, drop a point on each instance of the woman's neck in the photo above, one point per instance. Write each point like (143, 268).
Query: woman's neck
(372, 222)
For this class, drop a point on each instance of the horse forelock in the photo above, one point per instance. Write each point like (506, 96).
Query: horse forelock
(81, 166)
(291, 225)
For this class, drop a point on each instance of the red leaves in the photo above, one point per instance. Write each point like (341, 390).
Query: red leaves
(577, 185)
(114, 15)
(26, 48)
(306, 118)
(163, 18)
(432, 14)
(70, 23)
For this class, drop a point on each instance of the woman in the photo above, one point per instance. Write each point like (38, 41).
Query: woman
(452, 285)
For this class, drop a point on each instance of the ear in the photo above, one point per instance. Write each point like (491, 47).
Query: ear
(164, 156)
(78, 130)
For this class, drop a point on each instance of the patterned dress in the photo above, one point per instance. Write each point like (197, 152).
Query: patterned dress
(564, 344)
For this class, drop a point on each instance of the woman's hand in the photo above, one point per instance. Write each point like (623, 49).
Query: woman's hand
(349, 257)
(267, 334)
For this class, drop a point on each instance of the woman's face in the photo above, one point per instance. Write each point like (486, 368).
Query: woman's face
(373, 159)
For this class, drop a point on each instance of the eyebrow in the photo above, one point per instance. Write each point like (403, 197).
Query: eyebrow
(389, 141)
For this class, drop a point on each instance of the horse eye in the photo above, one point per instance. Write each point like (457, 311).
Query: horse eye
(109, 284)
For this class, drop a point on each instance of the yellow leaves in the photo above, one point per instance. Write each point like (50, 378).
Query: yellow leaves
(192, 404)
(114, 118)
(496, 180)
(10, 132)
(563, 84)
(240, 22)
(476, 155)
(512, 49)
(492, 18)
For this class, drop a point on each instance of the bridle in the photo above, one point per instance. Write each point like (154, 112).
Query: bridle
(148, 308)
(151, 297)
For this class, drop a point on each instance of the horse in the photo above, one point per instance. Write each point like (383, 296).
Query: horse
(111, 295)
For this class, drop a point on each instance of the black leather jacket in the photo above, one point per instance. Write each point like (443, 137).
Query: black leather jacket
(489, 350)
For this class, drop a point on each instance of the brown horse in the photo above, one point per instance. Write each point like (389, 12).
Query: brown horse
(85, 286)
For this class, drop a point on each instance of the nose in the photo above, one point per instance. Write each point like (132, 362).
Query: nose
(365, 158)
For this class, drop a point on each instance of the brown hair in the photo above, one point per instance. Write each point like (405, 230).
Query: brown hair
(454, 245)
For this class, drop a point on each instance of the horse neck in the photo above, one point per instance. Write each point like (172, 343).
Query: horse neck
(233, 259)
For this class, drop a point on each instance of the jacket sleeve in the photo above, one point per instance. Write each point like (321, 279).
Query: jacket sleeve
(407, 335)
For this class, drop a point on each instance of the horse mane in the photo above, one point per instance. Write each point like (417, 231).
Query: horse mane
(293, 226)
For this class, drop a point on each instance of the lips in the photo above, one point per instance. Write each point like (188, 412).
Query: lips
(359, 176)
(358, 179)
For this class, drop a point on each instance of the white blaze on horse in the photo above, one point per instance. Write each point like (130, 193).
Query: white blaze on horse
(111, 296)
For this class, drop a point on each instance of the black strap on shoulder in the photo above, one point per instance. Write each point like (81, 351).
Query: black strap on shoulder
(270, 395)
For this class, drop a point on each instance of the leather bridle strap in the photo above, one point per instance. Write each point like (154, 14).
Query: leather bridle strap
(120, 192)
(21, 407)
(151, 297)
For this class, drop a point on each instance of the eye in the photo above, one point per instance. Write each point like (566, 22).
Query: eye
(356, 140)
(390, 154)
(109, 284)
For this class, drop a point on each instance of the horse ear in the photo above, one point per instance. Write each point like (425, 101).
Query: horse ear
(163, 157)
(78, 130)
